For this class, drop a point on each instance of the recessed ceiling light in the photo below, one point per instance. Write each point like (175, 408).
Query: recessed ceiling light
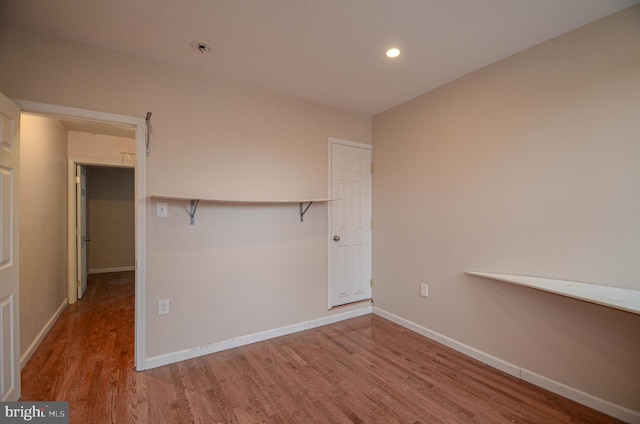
(393, 53)
(200, 47)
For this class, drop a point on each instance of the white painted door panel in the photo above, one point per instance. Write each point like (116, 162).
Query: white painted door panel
(350, 237)
(81, 229)
(9, 251)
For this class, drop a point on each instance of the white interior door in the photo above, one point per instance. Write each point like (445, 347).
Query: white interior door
(350, 224)
(82, 238)
(9, 257)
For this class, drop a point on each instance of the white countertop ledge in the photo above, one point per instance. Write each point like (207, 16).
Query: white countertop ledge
(614, 297)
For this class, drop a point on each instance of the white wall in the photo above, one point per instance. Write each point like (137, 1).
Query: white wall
(92, 148)
(239, 270)
(111, 246)
(43, 227)
(111, 223)
(530, 166)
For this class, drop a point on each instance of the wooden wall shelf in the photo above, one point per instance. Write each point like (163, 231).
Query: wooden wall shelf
(614, 297)
(305, 204)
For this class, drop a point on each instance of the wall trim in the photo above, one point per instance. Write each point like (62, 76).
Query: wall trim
(333, 140)
(28, 353)
(556, 387)
(114, 269)
(602, 405)
(182, 355)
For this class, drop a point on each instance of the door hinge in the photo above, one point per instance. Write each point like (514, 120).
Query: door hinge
(371, 224)
(371, 282)
(371, 167)
(77, 180)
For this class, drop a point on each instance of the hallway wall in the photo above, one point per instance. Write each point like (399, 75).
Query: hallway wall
(43, 227)
(111, 219)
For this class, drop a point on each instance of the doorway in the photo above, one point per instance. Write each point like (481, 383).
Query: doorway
(104, 221)
(350, 224)
(94, 119)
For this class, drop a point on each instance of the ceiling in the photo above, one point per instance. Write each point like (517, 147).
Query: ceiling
(326, 51)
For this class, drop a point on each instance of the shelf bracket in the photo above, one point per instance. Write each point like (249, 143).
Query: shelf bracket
(192, 210)
(147, 134)
(303, 211)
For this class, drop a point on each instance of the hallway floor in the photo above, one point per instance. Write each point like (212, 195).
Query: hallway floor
(87, 357)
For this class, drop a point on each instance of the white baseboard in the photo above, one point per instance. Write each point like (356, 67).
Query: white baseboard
(453, 344)
(41, 335)
(170, 358)
(115, 269)
(604, 406)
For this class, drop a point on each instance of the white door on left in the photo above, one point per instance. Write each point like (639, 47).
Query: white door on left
(9, 261)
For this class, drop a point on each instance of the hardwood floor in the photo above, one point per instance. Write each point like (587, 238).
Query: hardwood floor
(365, 370)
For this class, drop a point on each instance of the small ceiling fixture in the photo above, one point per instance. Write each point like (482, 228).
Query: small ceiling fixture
(200, 47)
(393, 52)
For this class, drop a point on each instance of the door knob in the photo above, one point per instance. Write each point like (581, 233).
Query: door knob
(336, 238)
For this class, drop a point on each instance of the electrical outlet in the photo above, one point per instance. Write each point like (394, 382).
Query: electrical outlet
(164, 306)
(162, 209)
(424, 290)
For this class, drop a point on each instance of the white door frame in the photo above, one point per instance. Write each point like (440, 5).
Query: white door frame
(332, 141)
(72, 255)
(140, 203)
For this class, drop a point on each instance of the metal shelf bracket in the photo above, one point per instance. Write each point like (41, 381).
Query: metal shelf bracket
(192, 210)
(303, 211)
(147, 135)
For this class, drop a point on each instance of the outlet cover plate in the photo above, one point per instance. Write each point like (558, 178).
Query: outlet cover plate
(424, 290)
(164, 306)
